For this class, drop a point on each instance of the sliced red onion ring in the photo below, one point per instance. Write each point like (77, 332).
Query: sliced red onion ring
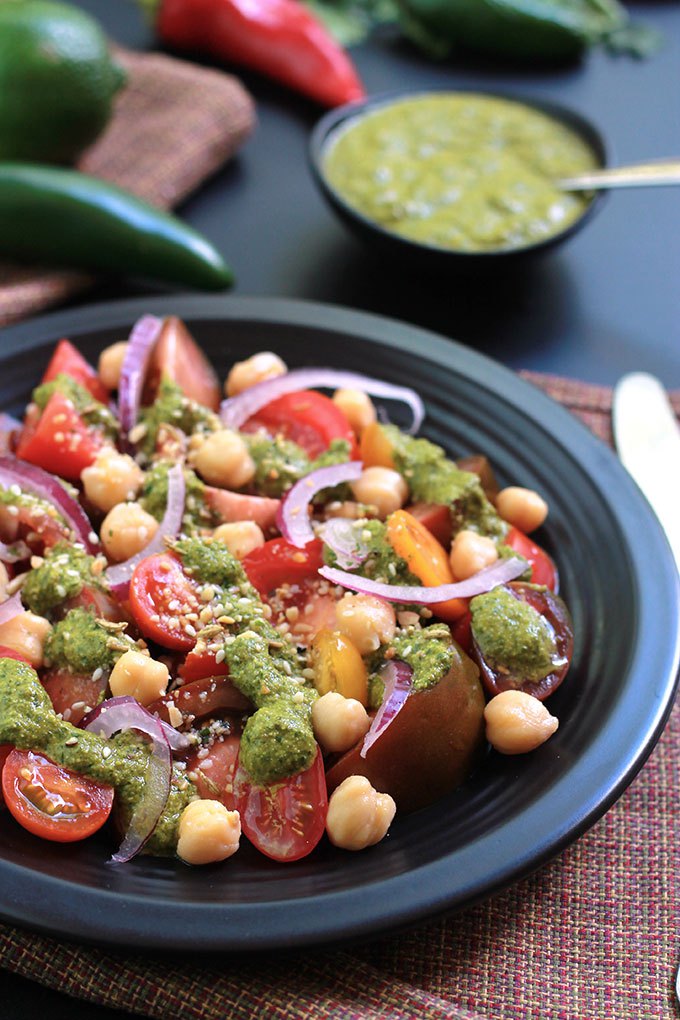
(144, 334)
(48, 487)
(292, 518)
(127, 714)
(344, 538)
(498, 573)
(235, 411)
(14, 552)
(397, 676)
(118, 576)
(11, 607)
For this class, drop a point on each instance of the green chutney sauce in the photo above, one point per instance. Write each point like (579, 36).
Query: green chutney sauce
(461, 171)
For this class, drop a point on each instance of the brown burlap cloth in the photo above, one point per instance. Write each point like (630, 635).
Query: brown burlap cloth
(591, 936)
(173, 126)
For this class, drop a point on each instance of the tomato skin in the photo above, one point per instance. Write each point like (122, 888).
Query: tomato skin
(543, 569)
(5, 751)
(426, 558)
(177, 357)
(556, 613)
(285, 820)
(67, 360)
(236, 506)
(9, 653)
(213, 774)
(80, 806)
(429, 748)
(309, 418)
(278, 562)
(157, 581)
(203, 697)
(461, 631)
(61, 441)
(436, 517)
(73, 695)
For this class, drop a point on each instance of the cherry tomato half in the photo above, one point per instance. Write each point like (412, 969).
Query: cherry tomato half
(309, 418)
(278, 562)
(160, 594)
(51, 801)
(207, 696)
(66, 360)
(286, 820)
(213, 773)
(553, 609)
(177, 357)
(543, 570)
(60, 442)
(73, 695)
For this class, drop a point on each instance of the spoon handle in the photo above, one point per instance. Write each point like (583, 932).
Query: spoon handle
(639, 176)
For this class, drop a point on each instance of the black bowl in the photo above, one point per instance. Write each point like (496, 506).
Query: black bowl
(430, 256)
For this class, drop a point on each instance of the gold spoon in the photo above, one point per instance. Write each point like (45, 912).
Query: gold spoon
(640, 175)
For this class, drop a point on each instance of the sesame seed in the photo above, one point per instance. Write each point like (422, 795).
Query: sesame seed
(71, 742)
(106, 753)
(191, 631)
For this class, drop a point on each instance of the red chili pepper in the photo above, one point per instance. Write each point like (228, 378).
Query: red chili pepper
(279, 38)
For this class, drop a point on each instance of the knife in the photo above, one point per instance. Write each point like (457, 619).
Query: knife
(647, 439)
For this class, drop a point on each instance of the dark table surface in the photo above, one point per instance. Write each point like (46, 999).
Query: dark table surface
(605, 303)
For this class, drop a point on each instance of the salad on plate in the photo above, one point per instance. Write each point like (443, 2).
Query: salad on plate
(270, 615)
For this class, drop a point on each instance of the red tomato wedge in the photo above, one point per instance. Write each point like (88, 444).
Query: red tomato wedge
(309, 418)
(67, 360)
(436, 517)
(5, 751)
(543, 570)
(213, 773)
(278, 562)
(61, 442)
(160, 596)
(286, 820)
(177, 357)
(73, 695)
(51, 801)
(210, 695)
(9, 653)
(235, 506)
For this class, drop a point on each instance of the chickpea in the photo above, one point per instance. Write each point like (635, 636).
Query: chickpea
(4, 581)
(223, 459)
(516, 722)
(139, 675)
(366, 620)
(523, 508)
(110, 364)
(126, 530)
(470, 553)
(240, 537)
(112, 478)
(261, 366)
(357, 407)
(208, 832)
(338, 722)
(358, 816)
(26, 634)
(381, 487)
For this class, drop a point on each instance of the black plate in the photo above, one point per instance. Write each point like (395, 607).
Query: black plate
(515, 813)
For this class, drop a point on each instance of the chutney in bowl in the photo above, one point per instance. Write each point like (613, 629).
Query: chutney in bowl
(457, 174)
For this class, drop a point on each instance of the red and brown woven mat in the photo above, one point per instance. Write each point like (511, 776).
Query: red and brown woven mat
(173, 126)
(592, 936)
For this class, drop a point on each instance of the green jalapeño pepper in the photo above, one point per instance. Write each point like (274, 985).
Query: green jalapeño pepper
(63, 218)
(522, 29)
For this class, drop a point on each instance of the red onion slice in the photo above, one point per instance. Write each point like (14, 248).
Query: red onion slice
(344, 538)
(292, 518)
(498, 573)
(398, 676)
(118, 576)
(235, 411)
(48, 487)
(11, 607)
(144, 334)
(127, 714)
(14, 552)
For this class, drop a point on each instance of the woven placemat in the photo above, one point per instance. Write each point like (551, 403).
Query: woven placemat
(591, 936)
(174, 125)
